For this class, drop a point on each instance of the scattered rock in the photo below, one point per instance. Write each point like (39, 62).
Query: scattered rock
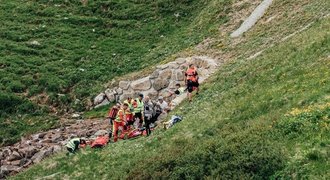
(46, 141)
(119, 91)
(124, 85)
(14, 156)
(104, 102)
(1, 156)
(41, 135)
(111, 95)
(160, 83)
(28, 152)
(75, 115)
(34, 43)
(162, 67)
(101, 133)
(7, 169)
(28, 162)
(56, 137)
(6, 152)
(99, 98)
(16, 163)
(41, 154)
(141, 84)
(57, 149)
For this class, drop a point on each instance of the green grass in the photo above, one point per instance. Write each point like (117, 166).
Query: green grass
(265, 118)
(100, 112)
(83, 47)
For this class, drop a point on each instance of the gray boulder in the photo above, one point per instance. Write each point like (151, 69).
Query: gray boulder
(28, 152)
(141, 84)
(101, 133)
(155, 74)
(103, 103)
(173, 65)
(160, 83)
(152, 93)
(99, 98)
(178, 75)
(124, 85)
(119, 91)
(7, 169)
(41, 155)
(165, 74)
(14, 156)
(111, 95)
(162, 67)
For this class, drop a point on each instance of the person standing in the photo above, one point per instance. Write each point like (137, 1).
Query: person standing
(148, 112)
(112, 116)
(119, 122)
(138, 109)
(113, 113)
(129, 113)
(191, 80)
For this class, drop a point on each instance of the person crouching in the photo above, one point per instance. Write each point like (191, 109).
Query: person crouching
(74, 144)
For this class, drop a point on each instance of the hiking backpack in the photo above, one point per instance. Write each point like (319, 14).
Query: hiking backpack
(113, 113)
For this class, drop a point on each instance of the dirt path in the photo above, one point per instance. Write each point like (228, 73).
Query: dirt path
(252, 19)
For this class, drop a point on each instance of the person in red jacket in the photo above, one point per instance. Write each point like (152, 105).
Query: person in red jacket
(119, 122)
(191, 80)
(112, 114)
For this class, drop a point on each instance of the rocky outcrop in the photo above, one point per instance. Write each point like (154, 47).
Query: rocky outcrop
(159, 82)
(141, 84)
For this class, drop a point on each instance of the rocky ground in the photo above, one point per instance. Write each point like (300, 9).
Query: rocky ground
(34, 148)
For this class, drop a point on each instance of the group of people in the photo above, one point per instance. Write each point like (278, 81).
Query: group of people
(141, 112)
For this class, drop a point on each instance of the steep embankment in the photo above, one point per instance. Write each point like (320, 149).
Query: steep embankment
(56, 55)
(259, 117)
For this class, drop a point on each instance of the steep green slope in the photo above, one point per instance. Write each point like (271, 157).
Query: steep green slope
(55, 55)
(266, 117)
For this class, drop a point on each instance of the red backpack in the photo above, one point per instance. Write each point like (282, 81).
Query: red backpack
(100, 141)
(134, 133)
(113, 113)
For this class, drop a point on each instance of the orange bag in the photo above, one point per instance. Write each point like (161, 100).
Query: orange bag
(100, 141)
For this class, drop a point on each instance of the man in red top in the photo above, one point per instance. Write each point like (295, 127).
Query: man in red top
(191, 80)
(112, 114)
(119, 122)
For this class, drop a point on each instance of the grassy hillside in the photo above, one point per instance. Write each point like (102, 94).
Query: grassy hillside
(56, 55)
(262, 118)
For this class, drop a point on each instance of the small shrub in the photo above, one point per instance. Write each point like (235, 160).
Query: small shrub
(16, 87)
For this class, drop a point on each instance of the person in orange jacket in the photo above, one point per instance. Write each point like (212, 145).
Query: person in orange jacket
(129, 113)
(120, 122)
(191, 80)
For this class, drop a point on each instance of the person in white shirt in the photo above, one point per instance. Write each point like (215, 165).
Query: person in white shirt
(163, 104)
